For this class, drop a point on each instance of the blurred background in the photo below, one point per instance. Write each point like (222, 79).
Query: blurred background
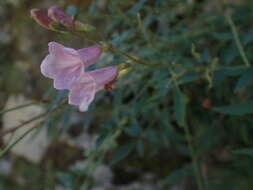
(184, 125)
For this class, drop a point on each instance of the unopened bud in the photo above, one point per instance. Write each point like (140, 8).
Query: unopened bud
(57, 15)
(41, 18)
(124, 72)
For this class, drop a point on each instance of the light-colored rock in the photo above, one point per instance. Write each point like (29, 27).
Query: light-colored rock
(5, 37)
(33, 146)
(14, 3)
(5, 167)
(60, 187)
(84, 141)
(103, 175)
(98, 188)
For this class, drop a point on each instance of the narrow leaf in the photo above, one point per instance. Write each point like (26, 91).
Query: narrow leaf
(236, 109)
(245, 80)
(122, 152)
(179, 107)
(245, 151)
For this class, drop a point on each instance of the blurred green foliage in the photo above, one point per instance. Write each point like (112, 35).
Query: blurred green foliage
(201, 95)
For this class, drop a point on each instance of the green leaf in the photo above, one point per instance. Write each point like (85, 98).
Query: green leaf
(179, 106)
(245, 80)
(67, 179)
(122, 152)
(244, 151)
(140, 147)
(177, 176)
(133, 130)
(222, 36)
(236, 109)
(188, 77)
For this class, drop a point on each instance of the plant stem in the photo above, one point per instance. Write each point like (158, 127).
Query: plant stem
(116, 50)
(133, 58)
(17, 107)
(189, 137)
(237, 39)
(194, 158)
(13, 129)
(6, 149)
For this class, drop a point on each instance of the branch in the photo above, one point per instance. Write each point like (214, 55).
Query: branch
(13, 129)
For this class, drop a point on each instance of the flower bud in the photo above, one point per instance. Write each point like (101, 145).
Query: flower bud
(57, 15)
(41, 18)
(124, 72)
(124, 68)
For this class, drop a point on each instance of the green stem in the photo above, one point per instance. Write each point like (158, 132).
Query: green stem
(6, 149)
(133, 58)
(237, 39)
(13, 129)
(17, 107)
(189, 138)
(193, 157)
(115, 50)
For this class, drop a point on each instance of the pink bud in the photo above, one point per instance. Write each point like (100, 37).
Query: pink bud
(41, 18)
(58, 15)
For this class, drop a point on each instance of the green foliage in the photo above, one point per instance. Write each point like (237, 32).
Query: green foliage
(236, 109)
(200, 81)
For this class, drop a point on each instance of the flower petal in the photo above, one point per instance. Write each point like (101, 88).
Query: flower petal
(104, 76)
(90, 55)
(62, 64)
(82, 92)
(65, 78)
(65, 56)
(48, 67)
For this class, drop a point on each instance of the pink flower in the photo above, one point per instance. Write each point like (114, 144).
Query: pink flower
(65, 65)
(83, 90)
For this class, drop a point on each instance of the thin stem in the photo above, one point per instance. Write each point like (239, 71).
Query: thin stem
(133, 58)
(194, 158)
(13, 129)
(6, 149)
(237, 39)
(115, 50)
(188, 137)
(17, 107)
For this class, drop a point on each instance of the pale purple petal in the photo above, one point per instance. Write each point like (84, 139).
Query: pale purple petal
(104, 76)
(66, 77)
(48, 67)
(65, 56)
(82, 92)
(64, 65)
(90, 55)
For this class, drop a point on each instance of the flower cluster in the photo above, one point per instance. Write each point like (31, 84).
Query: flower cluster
(66, 66)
